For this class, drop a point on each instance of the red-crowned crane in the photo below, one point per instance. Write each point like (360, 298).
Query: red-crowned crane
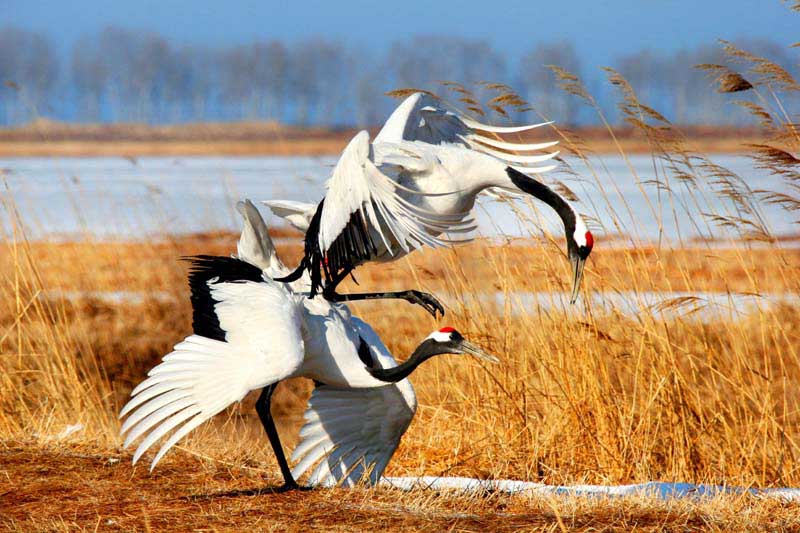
(250, 333)
(414, 183)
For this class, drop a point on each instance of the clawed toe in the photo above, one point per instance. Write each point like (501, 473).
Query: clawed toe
(427, 301)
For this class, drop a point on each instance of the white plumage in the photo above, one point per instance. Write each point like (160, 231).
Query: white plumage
(363, 426)
(421, 117)
(358, 185)
(266, 333)
(415, 184)
(203, 376)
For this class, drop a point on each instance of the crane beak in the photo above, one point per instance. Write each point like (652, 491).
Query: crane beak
(470, 349)
(577, 275)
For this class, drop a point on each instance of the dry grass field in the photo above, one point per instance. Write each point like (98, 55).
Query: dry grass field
(72, 488)
(604, 398)
(675, 391)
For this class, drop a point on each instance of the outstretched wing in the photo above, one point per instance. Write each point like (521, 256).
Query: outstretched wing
(352, 433)
(358, 187)
(247, 336)
(421, 117)
(362, 209)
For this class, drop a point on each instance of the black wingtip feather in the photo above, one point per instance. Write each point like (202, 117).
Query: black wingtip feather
(203, 269)
(352, 247)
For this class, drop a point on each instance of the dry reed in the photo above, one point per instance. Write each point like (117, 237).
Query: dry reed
(599, 395)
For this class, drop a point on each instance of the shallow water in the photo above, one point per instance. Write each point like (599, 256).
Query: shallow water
(120, 198)
(698, 305)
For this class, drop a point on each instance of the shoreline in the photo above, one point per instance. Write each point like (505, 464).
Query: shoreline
(298, 147)
(45, 138)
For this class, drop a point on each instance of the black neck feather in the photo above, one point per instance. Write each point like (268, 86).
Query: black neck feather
(424, 351)
(547, 195)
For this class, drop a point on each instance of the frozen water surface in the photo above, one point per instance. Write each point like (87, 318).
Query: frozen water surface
(112, 197)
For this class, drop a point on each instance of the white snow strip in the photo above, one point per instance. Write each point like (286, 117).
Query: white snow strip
(660, 490)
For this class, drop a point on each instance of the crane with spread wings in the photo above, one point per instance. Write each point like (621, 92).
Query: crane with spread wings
(414, 185)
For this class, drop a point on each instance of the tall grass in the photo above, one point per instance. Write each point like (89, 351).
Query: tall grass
(597, 395)
(50, 372)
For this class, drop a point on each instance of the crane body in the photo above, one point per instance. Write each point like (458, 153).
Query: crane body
(415, 185)
(251, 332)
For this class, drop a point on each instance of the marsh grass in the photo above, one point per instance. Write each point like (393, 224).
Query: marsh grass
(597, 396)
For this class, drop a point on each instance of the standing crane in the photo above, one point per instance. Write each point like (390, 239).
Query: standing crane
(414, 183)
(250, 333)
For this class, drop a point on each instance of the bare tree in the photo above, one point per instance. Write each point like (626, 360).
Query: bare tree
(426, 60)
(539, 84)
(28, 71)
(235, 79)
(270, 73)
(203, 84)
(693, 100)
(371, 105)
(89, 75)
(121, 74)
(139, 73)
(317, 79)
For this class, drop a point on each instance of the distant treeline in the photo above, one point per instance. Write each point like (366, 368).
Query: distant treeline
(123, 75)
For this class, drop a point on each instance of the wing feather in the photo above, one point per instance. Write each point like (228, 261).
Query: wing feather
(262, 344)
(376, 418)
(523, 159)
(352, 432)
(503, 129)
(363, 204)
(421, 117)
(366, 206)
(503, 145)
(323, 473)
(534, 170)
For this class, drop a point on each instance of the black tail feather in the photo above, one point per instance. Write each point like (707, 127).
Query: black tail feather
(294, 275)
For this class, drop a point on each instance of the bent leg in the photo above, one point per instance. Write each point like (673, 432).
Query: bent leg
(427, 301)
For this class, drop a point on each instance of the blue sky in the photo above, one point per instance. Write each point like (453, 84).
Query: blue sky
(600, 30)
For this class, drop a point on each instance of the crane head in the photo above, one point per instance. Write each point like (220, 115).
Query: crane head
(448, 340)
(579, 238)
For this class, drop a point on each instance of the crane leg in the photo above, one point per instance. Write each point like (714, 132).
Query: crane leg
(264, 413)
(427, 301)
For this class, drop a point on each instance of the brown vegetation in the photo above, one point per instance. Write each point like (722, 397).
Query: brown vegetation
(68, 487)
(586, 395)
(48, 138)
(601, 398)
(44, 138)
